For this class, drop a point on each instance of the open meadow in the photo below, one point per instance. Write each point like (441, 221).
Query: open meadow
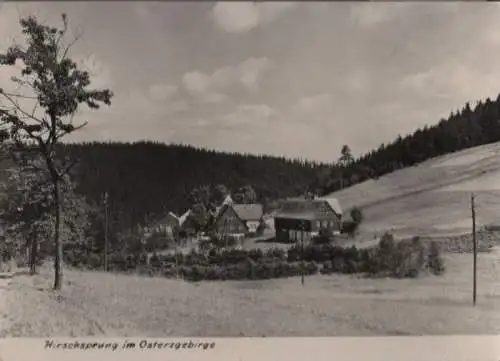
(335, 305)
(432, 198)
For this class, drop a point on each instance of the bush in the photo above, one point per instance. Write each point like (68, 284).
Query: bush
(321, 239)
(404, 259)
(311, 268)
(338, 265)
(326, 268)
(435, 262)
(389, 258)
(94, 260)
(409, 259)
(349, 227)
(385, 256)
(356, 215)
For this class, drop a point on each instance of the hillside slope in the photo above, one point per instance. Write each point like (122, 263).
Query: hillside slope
(432, 197)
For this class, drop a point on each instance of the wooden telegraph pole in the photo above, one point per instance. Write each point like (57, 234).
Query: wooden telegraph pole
(226, 231)
(474, 245)
(106, 232)
(302, 254)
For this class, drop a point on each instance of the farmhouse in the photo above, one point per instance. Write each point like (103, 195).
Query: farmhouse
(304, 217)
(242, 219)
(167, 225)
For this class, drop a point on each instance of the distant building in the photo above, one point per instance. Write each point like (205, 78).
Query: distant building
(305, 217)
(228, 201)
(242, 219)
(183, 218)
(167, 225)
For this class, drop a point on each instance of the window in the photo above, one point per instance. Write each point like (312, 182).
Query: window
(318, 224)
(324, 224)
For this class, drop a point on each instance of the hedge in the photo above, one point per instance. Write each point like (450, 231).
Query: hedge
(402, 259)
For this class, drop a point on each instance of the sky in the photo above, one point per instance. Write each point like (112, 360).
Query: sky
(292, 79)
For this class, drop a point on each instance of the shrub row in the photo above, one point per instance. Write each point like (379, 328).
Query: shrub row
(401, 259)
(243, 271)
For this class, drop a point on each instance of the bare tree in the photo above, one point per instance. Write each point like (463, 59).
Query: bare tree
(57, 88)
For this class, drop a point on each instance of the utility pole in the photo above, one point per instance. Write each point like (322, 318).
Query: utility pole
(226, 231)
(176, 250)
(106, 232)
(302, 253)
(474, 242)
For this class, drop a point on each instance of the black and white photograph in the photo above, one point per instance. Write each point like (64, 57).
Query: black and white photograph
(249, 169)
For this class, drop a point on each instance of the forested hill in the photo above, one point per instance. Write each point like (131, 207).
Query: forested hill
(466, 128)
(154, 178)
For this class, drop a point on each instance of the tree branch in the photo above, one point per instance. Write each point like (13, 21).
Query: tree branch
(68, 168)
(71, 130)
(12, 95)
(76, 38)
(18, 108)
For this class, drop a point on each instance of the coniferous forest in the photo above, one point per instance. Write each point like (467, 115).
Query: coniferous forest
(466, 128)
(148, 179)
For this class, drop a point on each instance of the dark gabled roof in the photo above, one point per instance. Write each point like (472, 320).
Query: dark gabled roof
(333, 203)
(245, 212)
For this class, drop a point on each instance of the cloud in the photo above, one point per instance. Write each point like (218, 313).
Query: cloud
(240, 17)
(257, 111)
(139, 103)
(452, 79)
(314, 103)
(162, 92)
(357, 81)
(251, 70)
(214, 98)
(247, 114)
(100, 73)
(246, 74)
(368, 14)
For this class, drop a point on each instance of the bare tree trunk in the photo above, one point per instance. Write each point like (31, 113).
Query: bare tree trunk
(33, 255)
(58, 272)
